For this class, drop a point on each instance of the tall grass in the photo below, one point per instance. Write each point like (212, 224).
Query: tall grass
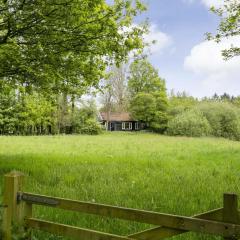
(166, 174)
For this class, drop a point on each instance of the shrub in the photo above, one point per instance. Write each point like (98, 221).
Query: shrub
(90, 127)
(191, 123)
(84, 120)
(223, 117)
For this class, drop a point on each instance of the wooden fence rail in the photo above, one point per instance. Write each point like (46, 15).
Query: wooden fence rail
(222, 222)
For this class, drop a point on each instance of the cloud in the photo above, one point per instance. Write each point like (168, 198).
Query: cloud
(207, 3)
(215, 3)
(218, 75)
(161, 39)
(156, 41)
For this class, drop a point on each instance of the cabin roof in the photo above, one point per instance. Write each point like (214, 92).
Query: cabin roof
(116, 116)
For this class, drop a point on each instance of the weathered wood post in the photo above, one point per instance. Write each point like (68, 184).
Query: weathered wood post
(230, 210)
(15, 211)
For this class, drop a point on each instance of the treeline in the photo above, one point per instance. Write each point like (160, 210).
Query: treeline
(143, 93)
(137, 89)
(23, 113)
(217, 116)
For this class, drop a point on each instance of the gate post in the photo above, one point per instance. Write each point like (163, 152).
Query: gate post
(15, 210)
(230, 210)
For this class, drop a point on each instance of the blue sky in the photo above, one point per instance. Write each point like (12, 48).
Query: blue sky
(182, 55)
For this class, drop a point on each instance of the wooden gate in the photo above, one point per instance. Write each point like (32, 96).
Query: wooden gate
(18, 210)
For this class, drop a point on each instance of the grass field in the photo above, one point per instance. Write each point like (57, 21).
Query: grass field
(147, 171)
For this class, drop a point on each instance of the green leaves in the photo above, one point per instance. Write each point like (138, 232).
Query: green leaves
(229, 26)
(148, 91)
(46, 43)
(190, 123)
(25, 114)
(144, 78)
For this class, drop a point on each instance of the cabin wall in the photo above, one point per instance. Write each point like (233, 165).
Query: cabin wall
(117, 125)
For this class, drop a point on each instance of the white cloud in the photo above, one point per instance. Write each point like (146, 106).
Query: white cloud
(218, 75)
(162, 40)
(215, 3)
(207, 3)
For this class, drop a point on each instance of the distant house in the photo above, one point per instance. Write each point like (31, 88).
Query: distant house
(119, 122)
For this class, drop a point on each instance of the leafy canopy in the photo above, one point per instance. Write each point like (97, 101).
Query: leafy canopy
(64, 45)
(148, 95)
(144, 78)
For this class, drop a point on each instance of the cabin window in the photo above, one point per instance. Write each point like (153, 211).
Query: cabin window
(137, 125)
(127, 126)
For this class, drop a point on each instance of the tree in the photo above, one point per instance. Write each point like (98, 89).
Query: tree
(180, 102)
(143, 107)
(22, 113)
(64, 45)
(35, 115)
(8, 118)
(148, 101)
(114, 94)
(144, 78)
(229, 25)
(25, 114)
(119, 84)
(236, 101)
(107, 98)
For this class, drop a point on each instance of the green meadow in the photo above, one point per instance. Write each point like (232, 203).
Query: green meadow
(175, 175)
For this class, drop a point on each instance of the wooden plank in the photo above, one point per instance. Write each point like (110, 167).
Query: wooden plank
(230, 210)
(69, 231)
(164, 232)
(12, 213)
(160, 219)
(8, 211)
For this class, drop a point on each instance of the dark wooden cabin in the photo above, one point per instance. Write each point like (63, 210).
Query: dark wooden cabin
(119, 122)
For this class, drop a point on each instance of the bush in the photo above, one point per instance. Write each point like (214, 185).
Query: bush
(84, 120)
(90, 127)
(191, 123)
(223, 117)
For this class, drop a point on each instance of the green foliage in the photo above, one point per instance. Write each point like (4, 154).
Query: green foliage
(223, 117)
(52, 52)
(84, 120)
(25, 114)
(236, 101)
(229, 25)
(150, 109)
(34, 114)
(65, 46)
(148, 95)
(7, 112)
(144, 78)
(143, 107)
(191, 123)
(179, 103)
(90, 127)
